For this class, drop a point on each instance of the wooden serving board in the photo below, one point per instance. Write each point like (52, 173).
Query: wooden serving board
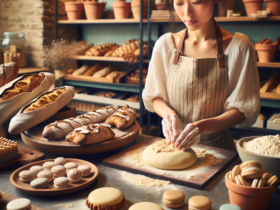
(7, 198)
(33, 138)
(193, 177)
(26, 156)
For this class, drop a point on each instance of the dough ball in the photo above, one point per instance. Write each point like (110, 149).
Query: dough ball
(164, 156)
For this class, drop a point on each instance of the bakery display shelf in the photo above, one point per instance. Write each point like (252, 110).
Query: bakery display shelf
(101, 21)
(270, 103)
(269, 65)
(102, 58)
(27, 70)
(272, 96)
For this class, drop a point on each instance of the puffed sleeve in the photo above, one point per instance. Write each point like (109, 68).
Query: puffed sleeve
(157, 73)
(244, 87)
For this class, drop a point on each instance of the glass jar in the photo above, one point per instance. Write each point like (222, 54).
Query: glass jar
(14, 48)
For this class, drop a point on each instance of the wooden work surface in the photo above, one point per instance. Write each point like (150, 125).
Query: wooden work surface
(193, 177)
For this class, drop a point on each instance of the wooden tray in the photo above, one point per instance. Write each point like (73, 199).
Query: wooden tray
(33, 138)
(51, 191)
(202, 176)
(7, 198)
(26, 156)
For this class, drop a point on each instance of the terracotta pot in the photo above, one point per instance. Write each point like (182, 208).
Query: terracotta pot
(249, 198)
(135, 7)
(229, 5)
(74, 10)
(94, 10)
(121, 9)
(161, 6)
(265, 52)
(252, 6)
(274, 6)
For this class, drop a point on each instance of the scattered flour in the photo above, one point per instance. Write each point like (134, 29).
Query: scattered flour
(265, 145)
(162, 146)
(66, 205)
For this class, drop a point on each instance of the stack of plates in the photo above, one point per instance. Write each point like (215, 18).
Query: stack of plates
(163, 15)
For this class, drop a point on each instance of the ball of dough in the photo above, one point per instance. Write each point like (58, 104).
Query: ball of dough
(164, 156)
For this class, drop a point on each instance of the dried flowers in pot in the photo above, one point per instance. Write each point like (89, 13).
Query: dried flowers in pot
(121, 9)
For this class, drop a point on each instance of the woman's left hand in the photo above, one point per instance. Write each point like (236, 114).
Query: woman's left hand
(189, 136)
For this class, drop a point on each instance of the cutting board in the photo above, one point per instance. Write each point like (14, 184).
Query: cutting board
(7, 198)
(197, 176)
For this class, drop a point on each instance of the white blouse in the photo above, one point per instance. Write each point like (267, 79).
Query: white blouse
(243, 90)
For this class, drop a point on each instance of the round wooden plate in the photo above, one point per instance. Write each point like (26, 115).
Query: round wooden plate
(51, 191)
(33, 138)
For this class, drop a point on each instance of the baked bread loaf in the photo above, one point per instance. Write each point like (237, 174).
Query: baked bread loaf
(20, 91)
(61, 128)
(94, 69)
(81, 50)
(109, 54)
(81, 70)
(101, 49)
(23, 121)
(103, 72)
(123, 118)
(128, 47)
(8, 72)
(91, 134)
(271, 83)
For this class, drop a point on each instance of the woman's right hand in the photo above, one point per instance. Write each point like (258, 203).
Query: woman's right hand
(170, 127)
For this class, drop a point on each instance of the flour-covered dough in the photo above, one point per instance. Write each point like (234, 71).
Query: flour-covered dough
(164, 156)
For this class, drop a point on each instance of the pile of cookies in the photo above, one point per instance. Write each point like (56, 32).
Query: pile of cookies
(61, 172)
(251, 173)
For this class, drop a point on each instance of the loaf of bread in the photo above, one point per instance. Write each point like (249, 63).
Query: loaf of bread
(81, 70)
(20, 91)
(126, 48)
(91, 134)
(106, 94)
(8, 72)
(101, 49)
(40, 109)
(94, 69)
(81, 50)
(271, 83)
(123, 118)
(109, 53)
(61, 128)
(113, 75)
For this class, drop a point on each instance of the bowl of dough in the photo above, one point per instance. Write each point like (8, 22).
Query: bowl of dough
(264, 149)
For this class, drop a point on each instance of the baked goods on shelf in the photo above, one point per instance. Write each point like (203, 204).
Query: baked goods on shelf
(128, 47)
(123, 118)
(105, 71)
(8, 72)
(275, 118)
(91, 134)
(101, 49)
(94, 69)
(134, 78)
(106, 94)
(81, 50)
(135, 98)
(8, 150)
(61, 128)
(81, 70)
(271, 83)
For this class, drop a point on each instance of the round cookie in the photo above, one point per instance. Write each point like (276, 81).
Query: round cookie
(58, 170)
(200, 202)
(146, 206)
(229, 207)
(19, 204)
(70, 165)
(164, 156)
(173, 198)
(74, 175)
(36, 169)
(46, 174)
(85, 170)
(105, 198)
(60, 161)
(39, 183)
(271, 181)
(61, 182)
(266, 176)
(48, 165)
(27, 176)
(251, 170)
(235, 172)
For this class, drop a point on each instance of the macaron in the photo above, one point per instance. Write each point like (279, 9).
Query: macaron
(45, 174)
(229, 207)
(58, 170)
(200, 202)
(145, 206)
(235, 172)
(74, 175)
(251, 170)
(266, 176)
(85, 170)
(241, 181)
(19, 204)
(70, 165)
(60, 161)
(173, 198)
(27, 176)
(36, 169)
(255, 183)
(261, 182)
(61, 182)
(271, 181)
(48, 165)
(39, 183)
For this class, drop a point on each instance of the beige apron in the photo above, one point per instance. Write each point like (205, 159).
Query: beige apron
(197, 89)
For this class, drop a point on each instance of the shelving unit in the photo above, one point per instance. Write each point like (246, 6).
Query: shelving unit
(108, 59)
(101, 21)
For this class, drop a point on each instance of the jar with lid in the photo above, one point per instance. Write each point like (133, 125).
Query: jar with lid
(14, 48)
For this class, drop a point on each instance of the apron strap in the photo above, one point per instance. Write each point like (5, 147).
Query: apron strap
(178, 52)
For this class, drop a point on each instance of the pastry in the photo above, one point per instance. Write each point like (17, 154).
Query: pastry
(58, 170)
(60, 161)
(19, 204)
(94, 69)
(272, 181)
(61, 128)
(74, 175)
(123, 118)
(81, 70)
(200, 202)
(70, 165)
(91, 134)
(235, 172)
(45, 174)
(61, 182)
(146, 206)
(251, 170)
(41, 108)
(173, 198)
(85, 170)
(39, 183)
(36, 169)
(8, 150)
(105, 198)
(27, 176)
(229, 207)
(48, 165)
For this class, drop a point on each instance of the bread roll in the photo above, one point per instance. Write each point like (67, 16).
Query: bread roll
(94, 69)
(81, 70)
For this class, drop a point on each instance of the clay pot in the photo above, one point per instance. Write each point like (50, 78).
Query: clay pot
(229, 5)
(265, 52)
(121, 9)
(252, 6)
(274, 6)
(94, 10)
(249, 198)
(135, 7)
(74, 10)
(161, 6)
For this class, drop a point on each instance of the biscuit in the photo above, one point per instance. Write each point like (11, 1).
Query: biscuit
(173, 198)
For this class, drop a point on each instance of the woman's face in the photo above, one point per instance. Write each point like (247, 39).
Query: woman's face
(194, 13)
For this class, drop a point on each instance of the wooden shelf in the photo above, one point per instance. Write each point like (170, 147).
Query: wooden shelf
(31, 70)
(271, 96)
(102, 21)
(101, 58)
(269, 65)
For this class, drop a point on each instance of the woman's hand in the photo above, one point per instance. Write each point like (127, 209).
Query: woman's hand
(170, 127)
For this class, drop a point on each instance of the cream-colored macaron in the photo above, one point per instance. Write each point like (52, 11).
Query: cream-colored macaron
(48, 165)
(70, 165)
(85, 170)
(74, 175)
(58, 170)
(61, 182)
(145, 205)
(27, 176)
(60, 161)
(40, 183)
(19, 204)
(46, 174)
(36, 169)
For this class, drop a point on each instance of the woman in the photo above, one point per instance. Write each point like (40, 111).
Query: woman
(202, 80)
